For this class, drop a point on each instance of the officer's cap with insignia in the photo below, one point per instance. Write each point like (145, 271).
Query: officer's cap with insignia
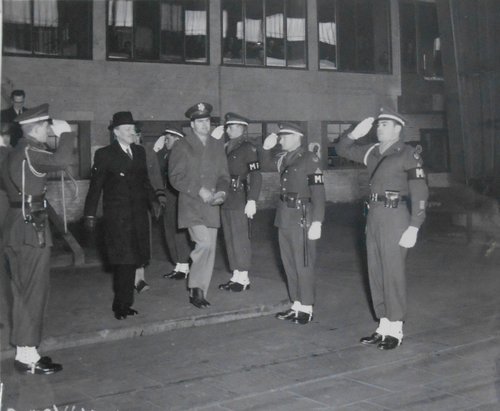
(199, 110)
(233, 118)
(290, 128)
(174, 130)
(34, 115)
(388, 114)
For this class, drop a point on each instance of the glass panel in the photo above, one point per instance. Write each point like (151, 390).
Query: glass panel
(275, 33)
(253, 30)
(408, 37)
(232, 17)
(120, 24)
(75, 24)
(195, 29)
(17, 26)
(145, 35)
(429, 41)
(381, 36)
(171, 32)
(296, 33)
(327, 29)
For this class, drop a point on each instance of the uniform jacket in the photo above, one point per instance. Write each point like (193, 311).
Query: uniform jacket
(16, 231)
(301, 176)
(400, 171)
(244, 170)
(192, 166)
(7, 116)
(127, 197)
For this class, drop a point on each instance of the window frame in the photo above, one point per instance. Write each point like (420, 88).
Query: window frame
(90, 37)
(157, 33)
(345, 164)
(338, 45)
(264, 66)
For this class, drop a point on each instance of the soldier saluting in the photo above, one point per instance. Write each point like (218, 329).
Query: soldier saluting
(299, 216)
(397, 181)
(240, 204)
(27, 236)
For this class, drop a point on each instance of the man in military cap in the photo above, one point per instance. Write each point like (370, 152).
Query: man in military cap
(240, 204)
(397, 183)
(27, 237)
(177, 239)
(120, 173)
(299, 217)
(198, 170)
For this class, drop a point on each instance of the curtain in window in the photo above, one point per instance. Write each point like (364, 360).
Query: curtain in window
(328, 33)
(15, 11)
(296, 29)
(196, 22)
(171, 17)
(45, 13)
(274, 26)
(253, 30)
(224, 24)
(120, 13)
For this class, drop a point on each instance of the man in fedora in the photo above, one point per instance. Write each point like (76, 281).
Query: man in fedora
(198, 170)
(120, 173)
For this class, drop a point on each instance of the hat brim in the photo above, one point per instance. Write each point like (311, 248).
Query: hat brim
(289, 131)
(112, 126)
(173, 132)
(240, 122)
(390, 117)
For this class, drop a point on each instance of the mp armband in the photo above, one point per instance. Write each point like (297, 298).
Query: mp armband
(416, 173)
(315, 179)
(253, 166)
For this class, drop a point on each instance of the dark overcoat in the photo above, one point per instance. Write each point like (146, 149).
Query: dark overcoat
(192, 166)
(127, 197)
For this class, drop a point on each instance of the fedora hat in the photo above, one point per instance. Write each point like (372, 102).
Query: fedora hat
(120, 118)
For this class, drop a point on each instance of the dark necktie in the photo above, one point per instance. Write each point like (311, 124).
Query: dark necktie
(129, 153)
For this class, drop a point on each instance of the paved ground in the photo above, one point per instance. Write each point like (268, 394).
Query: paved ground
(449, 359)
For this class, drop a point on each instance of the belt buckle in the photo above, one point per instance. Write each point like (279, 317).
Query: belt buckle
(373, 196)
(391, 199)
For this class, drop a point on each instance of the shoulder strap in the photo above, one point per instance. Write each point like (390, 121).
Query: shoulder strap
(376, 167)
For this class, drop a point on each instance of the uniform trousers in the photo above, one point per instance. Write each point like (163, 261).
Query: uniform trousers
(123, 285)
(386, 260)
(29, 271)
(202, 256)
(300, 278)
(235, 227)
(177, 239)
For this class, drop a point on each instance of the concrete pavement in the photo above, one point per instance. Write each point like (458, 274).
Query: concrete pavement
(448, 361)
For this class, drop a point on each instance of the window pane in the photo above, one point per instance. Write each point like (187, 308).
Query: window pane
(429, 41)
(232, 17)
(327, 29)
(275, 33)
(120, 24)
(408, 37)
(172, 32)
(17, 26)
(75, 24)
(195, 29)
(145, 35)
(296, 33)
(253, 30)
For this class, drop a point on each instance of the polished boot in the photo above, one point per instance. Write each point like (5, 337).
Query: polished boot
(233, 286)
(197, 298)
(302, 318)
(286, 315)
(375, 338)
(175, 275)
(44, 366)
(389, 343)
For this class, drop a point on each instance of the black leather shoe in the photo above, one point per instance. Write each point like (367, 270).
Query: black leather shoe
(142, 286)
(197, 298)
(286, 315)
(302, 318)
(375, 338)
(235, 287)
(175, 275)
(44, 366)
(389, 343)
(131, 311)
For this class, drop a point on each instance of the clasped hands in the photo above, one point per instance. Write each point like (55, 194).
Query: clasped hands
(210, 197)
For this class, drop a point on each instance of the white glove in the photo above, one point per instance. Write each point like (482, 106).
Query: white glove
(218, 132)
(250, 208)
(270, 141)
(314, 231)
(160, 143)
(362, 128)
(409, 237)
(59, 127)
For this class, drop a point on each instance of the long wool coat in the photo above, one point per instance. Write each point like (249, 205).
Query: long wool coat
(127, 197)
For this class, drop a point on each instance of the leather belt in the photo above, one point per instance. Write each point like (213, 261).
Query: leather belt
(35, 204)
(374, 197)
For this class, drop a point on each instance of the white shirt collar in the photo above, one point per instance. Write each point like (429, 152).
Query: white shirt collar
(124, 147)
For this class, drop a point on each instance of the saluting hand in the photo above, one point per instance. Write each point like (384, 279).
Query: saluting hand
(362, 128)
(59, 127)
(270, 141)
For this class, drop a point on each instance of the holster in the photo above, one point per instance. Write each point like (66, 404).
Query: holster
(36, 215)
